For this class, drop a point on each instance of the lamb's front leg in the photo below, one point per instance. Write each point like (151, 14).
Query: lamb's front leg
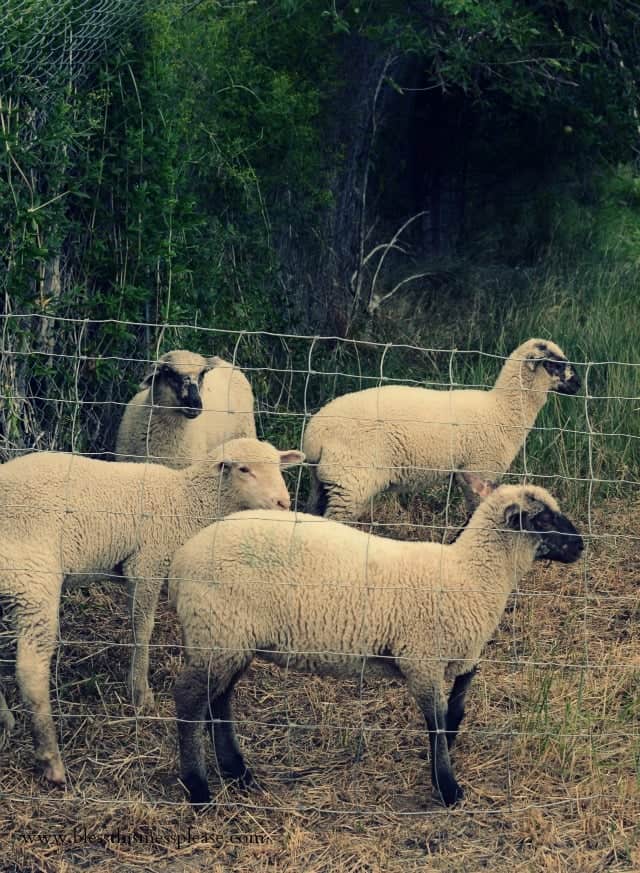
(471, 499)
(144, 589)
(455, 709)
(36, 627)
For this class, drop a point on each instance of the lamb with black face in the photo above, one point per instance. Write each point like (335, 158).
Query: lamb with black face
(186, 388)
(558, 539)
(561, 371)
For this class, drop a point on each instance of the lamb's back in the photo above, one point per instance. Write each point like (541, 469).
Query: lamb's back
(227, 405)
(80, 504)
(404, 401)
(321, 562)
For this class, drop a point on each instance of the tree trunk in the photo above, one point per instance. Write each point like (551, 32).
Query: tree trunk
(323, 272)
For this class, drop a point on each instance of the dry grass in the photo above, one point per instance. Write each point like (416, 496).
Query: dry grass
(548, 755)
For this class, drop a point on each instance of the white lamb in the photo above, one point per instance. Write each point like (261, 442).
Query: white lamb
(65, 515)
(325, 598)
(187, 406)
(405, 437)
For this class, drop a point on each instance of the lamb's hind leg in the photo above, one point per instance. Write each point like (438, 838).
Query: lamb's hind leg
(144, 590)
(191, 697)
(200, 696)
(231, 762)
(351, 497)
(37, 626)
(7, 721)
(432, 702)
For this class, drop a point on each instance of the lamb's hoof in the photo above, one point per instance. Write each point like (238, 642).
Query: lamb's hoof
(450, 792)
(246, 781)
(143, 700)
(54, 773)
(198, 790)
(238, 772)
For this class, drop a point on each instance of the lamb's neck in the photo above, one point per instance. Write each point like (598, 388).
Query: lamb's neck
(515, 388)
(205, 493)
(170, 437)
(502, 558)
(170, 420)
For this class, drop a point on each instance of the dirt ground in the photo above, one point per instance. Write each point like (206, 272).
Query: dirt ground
(548, 755)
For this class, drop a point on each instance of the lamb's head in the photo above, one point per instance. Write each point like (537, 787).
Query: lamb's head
(176, 379)
(528, 510)
(251, 474)
(544, 367)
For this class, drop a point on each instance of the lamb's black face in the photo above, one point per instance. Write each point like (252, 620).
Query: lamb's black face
(564, 379)
(558, 539)
(568, 380)
(186, 390)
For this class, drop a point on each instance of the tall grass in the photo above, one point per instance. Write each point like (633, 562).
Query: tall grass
(584, 447)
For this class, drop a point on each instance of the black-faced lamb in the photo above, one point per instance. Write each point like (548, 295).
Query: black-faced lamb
(186, 406)
(66, 515)
(404, 437)
(319, 596)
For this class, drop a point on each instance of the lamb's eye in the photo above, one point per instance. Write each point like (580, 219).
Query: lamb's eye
(555, 368)
(544, 521)
(244, 469)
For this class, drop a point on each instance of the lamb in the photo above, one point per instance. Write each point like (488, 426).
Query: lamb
(325, 598)
(187, 405)
(405, 437)
(65, 515)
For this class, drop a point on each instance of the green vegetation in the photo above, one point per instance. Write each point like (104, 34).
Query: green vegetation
(245, 168)
(592, 310)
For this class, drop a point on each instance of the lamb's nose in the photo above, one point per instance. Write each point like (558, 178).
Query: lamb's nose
(193, 396)
(573, 544)
(284, 503)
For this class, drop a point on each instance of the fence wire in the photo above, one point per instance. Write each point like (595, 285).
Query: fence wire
(552, 718)
(44, 41)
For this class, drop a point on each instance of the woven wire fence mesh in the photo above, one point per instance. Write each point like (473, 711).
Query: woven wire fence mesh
(51, 53)
(549, 750)
(47, 41)
(553, 712)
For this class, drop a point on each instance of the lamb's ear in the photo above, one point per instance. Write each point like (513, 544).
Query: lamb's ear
(290, 458)
(476, 485)
(474, 489)
(155, 370)
(515, 518)
(532, 363)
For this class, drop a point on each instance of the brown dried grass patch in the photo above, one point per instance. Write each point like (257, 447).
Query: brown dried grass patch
(548, 754)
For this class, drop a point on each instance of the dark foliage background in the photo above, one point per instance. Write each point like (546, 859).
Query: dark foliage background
(444, 174)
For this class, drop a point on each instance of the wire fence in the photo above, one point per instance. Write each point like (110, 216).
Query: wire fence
(53, 39)
(552, 719)
(549, 752)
